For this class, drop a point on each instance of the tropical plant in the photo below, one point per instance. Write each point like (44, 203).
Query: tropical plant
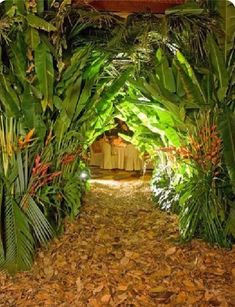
(163, 186)
(56, 100)
(23, 224)
(177, 89)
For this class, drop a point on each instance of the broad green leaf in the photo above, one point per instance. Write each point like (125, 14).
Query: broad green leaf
(32, 38)
(9, 104)
(61, 125)
(45, 73)
(17, 52)
(182, 65)
(164, 71)
(85, 95)
(112, 91)
(227, 11)
(230, 225)
(165, 117)
(219, 68)
(39, 23)
(31, 111)
(192, 95)
(170, 106)
(68, 108)
(173, 136)
(94, 68)
(14, 5)
(227, 128)
(74, 70)
(40, 7)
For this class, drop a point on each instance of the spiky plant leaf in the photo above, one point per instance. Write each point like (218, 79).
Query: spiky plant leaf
(40, 225)
(19, 243)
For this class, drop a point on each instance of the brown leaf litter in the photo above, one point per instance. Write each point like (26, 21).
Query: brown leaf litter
(122, 251)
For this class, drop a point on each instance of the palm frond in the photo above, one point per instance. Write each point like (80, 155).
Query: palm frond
(37, 220)
(19, 243)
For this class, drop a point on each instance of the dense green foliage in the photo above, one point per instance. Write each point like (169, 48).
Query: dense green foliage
(66, 74)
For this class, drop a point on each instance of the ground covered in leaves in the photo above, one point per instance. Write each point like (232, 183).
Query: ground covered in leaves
(122, 251)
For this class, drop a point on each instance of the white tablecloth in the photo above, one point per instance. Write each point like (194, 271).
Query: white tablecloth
(119, 152)
(117, 157)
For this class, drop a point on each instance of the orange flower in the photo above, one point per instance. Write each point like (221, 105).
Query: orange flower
(28, 138)
(48, 139)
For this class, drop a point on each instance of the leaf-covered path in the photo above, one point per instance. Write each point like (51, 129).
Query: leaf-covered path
(121, 251)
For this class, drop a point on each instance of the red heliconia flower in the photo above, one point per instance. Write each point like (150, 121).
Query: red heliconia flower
(68, 158)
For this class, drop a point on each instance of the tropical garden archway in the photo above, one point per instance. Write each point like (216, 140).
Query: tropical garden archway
(55, 102)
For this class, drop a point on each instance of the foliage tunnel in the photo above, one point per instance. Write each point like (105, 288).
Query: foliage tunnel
(66, 74)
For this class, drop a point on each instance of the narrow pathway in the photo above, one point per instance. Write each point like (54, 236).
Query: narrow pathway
(122, 251)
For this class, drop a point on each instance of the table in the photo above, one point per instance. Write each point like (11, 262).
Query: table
(117, 157)
(119, 151)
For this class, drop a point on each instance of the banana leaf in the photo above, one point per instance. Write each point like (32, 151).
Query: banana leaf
(169, 105)
(84, 97)
(45, 74)
(227, 128)
(32, 38)
(8, 99)
(68, 107)
(230, 225)
(116, 85)
(32, 113)
(39, 23)
(188, 78)
(75, 69)
(17, 52)
(164, 71)
(19, 5)
(227, 12)
(219, 68)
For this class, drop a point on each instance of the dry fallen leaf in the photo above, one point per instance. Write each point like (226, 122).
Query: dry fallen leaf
(105, 298)
(190, 286)
(170, 251)
(181, 298)
(233, 272)
(79, 284)
(98, 289)
(158, 289)
(122, 287)
(105, 258)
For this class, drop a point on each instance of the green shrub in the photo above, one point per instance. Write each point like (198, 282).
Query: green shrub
(164, 192)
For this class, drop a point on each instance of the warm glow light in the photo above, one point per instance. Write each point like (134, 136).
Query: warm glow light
(84, 175)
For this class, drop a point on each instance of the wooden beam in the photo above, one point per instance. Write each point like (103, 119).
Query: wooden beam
(131, 6)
